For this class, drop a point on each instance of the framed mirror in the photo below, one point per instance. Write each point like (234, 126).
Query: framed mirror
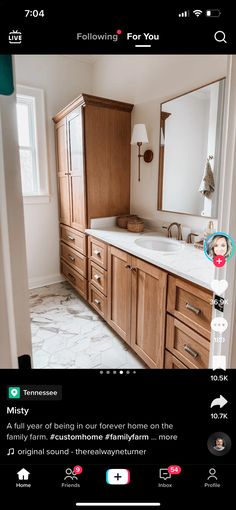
(190, 151)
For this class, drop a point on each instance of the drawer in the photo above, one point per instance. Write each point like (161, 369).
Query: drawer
(98, 277)
(189, 347)
(97, 252)
(172, 362)
(75, 259)
(98, 301)
(73, 238)
(190, 304)
(78, 281)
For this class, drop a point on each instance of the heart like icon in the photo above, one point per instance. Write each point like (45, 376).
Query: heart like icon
(219, 286)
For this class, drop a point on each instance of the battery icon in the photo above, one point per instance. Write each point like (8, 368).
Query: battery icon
(213, 13)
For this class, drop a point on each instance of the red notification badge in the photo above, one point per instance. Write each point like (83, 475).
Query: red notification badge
(78, 470)
(174, 470)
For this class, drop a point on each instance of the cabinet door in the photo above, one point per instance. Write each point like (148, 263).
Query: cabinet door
(76, 168)
(107, 138)
(62, 173)
(148, 312)
(119, 292)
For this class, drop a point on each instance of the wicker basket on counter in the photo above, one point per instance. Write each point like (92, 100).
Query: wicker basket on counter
(135, 225)
(122, 221)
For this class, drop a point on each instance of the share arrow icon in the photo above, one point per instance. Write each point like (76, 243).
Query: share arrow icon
(220, 401)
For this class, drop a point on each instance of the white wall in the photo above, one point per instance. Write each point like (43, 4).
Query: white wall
(147, 81)
(62, 78)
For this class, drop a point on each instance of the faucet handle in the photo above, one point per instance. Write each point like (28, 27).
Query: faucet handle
(189, 238)
(180, 234)
(165, 228)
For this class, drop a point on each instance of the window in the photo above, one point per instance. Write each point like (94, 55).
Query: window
(32, 142)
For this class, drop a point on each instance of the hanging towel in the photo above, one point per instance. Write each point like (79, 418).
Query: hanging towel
(207, 186)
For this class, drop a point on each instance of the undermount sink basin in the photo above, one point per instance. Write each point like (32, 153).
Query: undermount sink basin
(159, 244)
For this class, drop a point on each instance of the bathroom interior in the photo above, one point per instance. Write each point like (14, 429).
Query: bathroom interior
(121, 185)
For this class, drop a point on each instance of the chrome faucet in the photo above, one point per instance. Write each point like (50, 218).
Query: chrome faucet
(179, 230)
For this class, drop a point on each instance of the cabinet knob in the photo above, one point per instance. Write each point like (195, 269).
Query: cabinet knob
(71, 238)
(71, 276)
(193, 308)
(97, 302)
(97, 277)
(191, 351)
(71, 258)
(127, 266)
(97, 252)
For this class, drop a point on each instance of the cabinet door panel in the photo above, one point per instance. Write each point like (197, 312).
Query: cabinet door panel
(108, 161)
(76, 166)
(62, 173)
(148, 312)
(119, 292)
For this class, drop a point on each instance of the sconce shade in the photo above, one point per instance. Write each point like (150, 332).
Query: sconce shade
(139, 134)
(162, 137)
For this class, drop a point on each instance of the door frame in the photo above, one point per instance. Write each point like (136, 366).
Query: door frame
(14, 315)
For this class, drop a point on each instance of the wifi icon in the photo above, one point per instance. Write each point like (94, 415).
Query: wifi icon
(197, 12)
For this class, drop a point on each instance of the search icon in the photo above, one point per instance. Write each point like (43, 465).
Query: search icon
(220, 36)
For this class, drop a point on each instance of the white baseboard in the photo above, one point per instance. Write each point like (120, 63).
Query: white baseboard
(45, 280)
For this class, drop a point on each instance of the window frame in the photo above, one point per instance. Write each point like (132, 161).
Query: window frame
(41, 157)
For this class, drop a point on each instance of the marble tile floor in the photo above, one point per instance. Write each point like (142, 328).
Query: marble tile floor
(67, 333)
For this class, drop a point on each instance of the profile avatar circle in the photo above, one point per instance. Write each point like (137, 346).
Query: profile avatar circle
(219, 444)
(219, 248)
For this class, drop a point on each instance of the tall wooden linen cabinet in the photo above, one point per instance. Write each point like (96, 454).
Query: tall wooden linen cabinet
(93, 171)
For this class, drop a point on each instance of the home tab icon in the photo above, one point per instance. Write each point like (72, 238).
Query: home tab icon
(23, 474)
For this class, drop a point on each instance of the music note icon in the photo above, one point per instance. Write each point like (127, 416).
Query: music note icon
(11, 451)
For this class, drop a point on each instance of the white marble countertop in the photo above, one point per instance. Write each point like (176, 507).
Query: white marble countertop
(189, 262)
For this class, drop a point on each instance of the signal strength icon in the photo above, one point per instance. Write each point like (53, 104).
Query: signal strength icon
(184, 14)
(197, 12)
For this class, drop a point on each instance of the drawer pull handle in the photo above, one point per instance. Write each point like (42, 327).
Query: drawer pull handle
(190, 351)
(71, 238)
(71, 258)
(128, 266)
(97, 302)
(97, 252)
(67, 173)
(97, 277)
(71, 276)
(193, 308)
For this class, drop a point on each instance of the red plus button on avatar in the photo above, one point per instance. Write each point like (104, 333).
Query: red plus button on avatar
(219, 261)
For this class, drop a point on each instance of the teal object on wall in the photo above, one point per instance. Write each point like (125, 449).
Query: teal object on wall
(6, 75)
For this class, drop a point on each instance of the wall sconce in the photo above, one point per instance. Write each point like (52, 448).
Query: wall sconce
(139, 137)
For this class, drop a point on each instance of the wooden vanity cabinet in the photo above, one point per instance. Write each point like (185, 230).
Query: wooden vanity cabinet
(136, 304)
(93, 159)
(93, 174)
